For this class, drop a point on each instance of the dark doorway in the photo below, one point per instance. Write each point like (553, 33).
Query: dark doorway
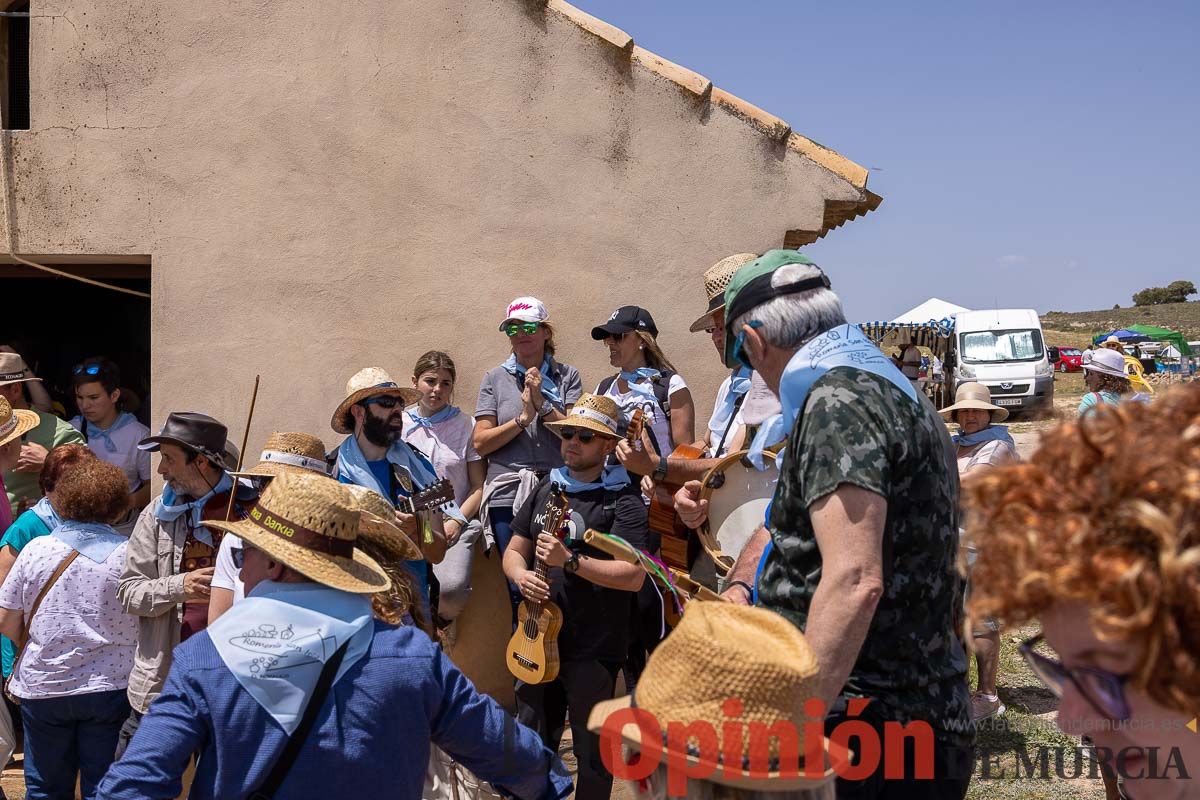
(55, 323)
(14, 64)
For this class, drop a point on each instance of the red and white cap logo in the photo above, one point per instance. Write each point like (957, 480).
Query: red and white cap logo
(525, 309)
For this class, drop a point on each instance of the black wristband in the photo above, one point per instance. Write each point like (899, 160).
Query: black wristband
(744, 585)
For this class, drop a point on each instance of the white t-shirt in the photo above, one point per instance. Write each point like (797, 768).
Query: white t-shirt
(715, 436)
(81, 640)
(226, 575)
(135, 463)
(656, 420)
(449, 447)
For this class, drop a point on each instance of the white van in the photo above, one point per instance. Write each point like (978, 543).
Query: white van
(1005, 351)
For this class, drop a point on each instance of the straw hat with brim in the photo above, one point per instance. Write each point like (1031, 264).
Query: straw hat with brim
(716, 279)
(310, 523)
(289, 452)
(721, 652)
(13, 369)
(974, 396)
(369, 382)
(594, 413)
(1106, 362)
(378, 524)
(15, 422)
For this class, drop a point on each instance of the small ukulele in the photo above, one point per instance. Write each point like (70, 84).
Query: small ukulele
(532, 652)
(633, 431)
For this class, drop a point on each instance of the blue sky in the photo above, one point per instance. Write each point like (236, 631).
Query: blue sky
(1029, 154)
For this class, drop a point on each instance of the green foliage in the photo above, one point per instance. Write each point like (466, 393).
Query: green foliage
(1175, 292)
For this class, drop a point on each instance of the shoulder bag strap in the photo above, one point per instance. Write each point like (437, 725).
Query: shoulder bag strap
(37, 603)
(283, 765)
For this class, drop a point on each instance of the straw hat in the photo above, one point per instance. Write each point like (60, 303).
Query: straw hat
(721, 652)
(289, 452)
(974, 396)
(716, 279)
(378, 524)
(310, 523)
(369, 382)
(593, 412)
(1106, 362)
(1113, 343)
(15, 422)
(13, 369)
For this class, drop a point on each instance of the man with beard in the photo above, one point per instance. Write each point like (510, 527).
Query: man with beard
(374, 456)
(171, 554)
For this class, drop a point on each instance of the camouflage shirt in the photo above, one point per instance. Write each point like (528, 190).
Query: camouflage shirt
(857, 428)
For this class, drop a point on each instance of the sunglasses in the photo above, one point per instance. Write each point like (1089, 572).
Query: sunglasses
(739, 352)
(89, 369)
(1101, 688)
(388, 401)
(568, 434)
(527, 328)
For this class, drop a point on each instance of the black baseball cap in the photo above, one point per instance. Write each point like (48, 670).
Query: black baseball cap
(624, 320)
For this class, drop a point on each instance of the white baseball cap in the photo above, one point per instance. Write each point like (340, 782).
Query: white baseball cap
(525, 309)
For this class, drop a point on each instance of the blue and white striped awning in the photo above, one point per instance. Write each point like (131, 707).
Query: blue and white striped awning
(922, 334)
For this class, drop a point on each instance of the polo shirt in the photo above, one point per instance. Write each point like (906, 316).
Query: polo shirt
(50, 433)
(133, 462)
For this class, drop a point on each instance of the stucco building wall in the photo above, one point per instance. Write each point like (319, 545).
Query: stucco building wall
(325, 186)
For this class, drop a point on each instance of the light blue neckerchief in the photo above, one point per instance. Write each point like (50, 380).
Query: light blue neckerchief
(276, 641)
(94, 430)
(169, 509)
(992, 433)
(843, 346)
(550, 389)
(93, 540)
(612, 478)
(449, 412)
(739, 384)
(646, 389)
(352, 468)
(46, 513)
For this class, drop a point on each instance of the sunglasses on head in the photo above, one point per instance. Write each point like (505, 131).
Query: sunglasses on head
(739, 352)
(88, 369)
(388, 401)
(568, 434)
(1101, 688)
(527, 328)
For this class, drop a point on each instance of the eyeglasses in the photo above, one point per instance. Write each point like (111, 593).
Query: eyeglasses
(1104, 690)
(90, 369)
(388, 401)
(568, 434)
(527, 328)
(738, 352)
(238, 554)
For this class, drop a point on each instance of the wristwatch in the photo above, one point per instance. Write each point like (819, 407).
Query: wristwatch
(660, 472)
(545, 408)
(572, 565)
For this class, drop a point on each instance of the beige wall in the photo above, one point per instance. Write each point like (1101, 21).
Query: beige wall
(323, 186)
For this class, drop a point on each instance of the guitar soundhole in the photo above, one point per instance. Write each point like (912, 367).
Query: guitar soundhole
(523, 661)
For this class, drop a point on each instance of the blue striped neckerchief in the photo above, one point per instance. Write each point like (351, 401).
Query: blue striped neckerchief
(170, 509)
(550, 389)
(612, 479)
(94, 430)
(633, 378)
(446, 413)
(93, 540)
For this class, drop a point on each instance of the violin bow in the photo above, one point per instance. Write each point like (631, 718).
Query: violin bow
(242, 452)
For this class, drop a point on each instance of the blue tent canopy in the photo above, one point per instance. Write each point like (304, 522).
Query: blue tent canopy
(1123, 335)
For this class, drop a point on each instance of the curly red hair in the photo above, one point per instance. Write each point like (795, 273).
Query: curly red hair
(92, 491)
(61, 459)
(1107, 512)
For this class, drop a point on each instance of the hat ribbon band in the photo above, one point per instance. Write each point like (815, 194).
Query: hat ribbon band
(12, 376)
(596, 416)
(7, 427)
(298, 534)
(295, 460)
(385, 385)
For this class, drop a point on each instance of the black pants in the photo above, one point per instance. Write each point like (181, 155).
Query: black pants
(645, 632)
(952, 766)
(544, 708)
(127, 731)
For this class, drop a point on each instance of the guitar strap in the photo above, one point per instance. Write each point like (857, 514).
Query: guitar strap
(737, 406)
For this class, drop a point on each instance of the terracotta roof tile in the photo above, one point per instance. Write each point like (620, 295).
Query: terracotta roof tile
(765, 121)
(597, 27)
(693, 82)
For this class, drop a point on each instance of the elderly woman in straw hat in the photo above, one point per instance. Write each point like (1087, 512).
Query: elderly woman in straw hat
(724, 667)
(14, 423)
(303, 657)
(981, 443)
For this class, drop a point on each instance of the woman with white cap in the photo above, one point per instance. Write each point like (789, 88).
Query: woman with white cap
(516, 400)
(1104, 374)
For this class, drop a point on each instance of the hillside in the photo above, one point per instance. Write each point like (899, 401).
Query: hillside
(1182, 317)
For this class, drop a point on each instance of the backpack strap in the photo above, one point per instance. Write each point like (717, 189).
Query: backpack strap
(662, 393)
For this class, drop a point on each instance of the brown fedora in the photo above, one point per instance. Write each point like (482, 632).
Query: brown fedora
(286, 452)
(310, 523)
(716, 279)
(721, 652)
(369, 382)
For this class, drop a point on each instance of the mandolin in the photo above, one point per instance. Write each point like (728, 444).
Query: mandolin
(532, 652)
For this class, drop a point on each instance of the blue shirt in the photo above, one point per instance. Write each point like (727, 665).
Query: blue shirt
(27, 527)
(373, 731)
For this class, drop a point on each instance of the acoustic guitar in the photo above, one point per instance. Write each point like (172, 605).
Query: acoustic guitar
(679, 546)
(532, 653)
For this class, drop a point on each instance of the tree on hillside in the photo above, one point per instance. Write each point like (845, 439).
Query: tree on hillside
(1175, 292)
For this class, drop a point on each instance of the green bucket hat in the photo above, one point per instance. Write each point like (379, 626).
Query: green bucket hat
(751, 287)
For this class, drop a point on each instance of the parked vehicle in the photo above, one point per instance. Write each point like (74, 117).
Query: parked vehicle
(1070, 359)
(1004, 350)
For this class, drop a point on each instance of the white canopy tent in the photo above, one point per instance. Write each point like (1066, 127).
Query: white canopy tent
(932, 309)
